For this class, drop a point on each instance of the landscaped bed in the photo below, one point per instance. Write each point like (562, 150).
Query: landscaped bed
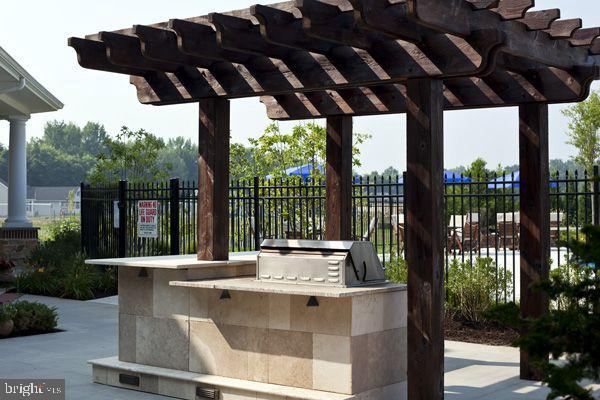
(490, 333)
(24, 318)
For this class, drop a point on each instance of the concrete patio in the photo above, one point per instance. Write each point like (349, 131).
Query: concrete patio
(472, 371)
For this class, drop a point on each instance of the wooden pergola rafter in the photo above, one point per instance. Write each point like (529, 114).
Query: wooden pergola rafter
(337, 59)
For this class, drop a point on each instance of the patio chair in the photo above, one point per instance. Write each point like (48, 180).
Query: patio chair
(370, 232)
(508, 230)
(463, 233)
(398, 229)
(556, 218)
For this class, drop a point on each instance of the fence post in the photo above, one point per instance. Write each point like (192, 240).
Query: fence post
(256, 226)
(174, 216)
(82, 218)
(122, 247)
(596, 197)
(404, 213)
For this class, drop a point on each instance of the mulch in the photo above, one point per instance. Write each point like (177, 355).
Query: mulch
(9, 297)
(480, 333)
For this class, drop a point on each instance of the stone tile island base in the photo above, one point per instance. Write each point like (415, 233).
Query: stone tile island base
(208, 330)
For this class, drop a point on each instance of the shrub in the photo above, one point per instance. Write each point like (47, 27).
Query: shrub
(78, 280)
(504, 314)
(396, 271)
(33, 317)
(7, 312)
(472, 287)
(62, 245)
(570, 333)
(40, 281)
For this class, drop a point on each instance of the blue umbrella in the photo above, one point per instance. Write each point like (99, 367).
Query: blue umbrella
(453, 177)
(303, 171)
(511, 180)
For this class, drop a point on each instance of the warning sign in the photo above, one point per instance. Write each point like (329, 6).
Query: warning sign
(147, 219)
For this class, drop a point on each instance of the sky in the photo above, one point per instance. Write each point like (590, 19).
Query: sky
(35, 33)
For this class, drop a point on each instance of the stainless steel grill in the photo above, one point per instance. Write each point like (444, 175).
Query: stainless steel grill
(313, 262)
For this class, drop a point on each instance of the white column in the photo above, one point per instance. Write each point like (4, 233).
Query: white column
(17, 174)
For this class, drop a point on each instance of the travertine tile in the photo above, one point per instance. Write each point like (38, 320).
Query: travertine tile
(395, 310)
(379, 359)
(332, 368)
(360, 364)
(242, 309)
(290, 358)
(127, 337)
(331, 317)
(176, 388)
(162, 342)
(135, 293)
(258, 357)
(170, 301)
(149, 383)
(199, 304)
(367, 314)
(100, 374)
(279, 311)
(223, 349)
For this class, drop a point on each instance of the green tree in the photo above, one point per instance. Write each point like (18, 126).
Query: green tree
(275, 151)
(132, 156)
(584, 130)
(180, 156)
(477, 170)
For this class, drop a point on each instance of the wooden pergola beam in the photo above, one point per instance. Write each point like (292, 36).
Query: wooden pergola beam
(564, 28)
(584, 37)
(499, 89)
(513, 9)
(540, 20)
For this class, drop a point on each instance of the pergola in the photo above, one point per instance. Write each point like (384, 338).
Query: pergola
(337, 59)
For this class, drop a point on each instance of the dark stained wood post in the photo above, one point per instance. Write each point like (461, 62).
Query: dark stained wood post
(338, 191)
(213, 180)
(535, 216)
(425, 255)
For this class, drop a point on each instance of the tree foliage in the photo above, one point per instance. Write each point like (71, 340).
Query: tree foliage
(132, 156)
(274, 151)
(584, 130)
(571, 333)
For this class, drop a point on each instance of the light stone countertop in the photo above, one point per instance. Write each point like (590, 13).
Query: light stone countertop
(177, 262)
(250, 284)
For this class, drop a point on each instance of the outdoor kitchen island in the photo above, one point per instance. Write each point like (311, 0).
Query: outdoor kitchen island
(210, 330)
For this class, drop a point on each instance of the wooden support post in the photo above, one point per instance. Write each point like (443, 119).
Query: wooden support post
(338, 192)
(424, 189)
(213, 180)
(535, 216)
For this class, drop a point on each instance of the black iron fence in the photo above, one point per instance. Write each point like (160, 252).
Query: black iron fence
(481, 215)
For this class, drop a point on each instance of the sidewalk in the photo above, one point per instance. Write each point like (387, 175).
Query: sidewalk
(472, 371)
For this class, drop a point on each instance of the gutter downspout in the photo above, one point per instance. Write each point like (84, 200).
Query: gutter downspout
(20, 86)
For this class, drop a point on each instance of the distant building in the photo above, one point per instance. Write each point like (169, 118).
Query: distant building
(45, 201)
